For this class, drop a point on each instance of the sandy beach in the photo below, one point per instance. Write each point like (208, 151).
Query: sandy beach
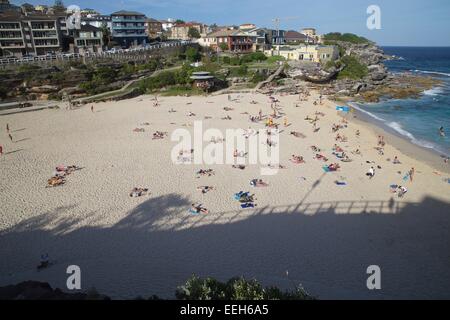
(324, 234)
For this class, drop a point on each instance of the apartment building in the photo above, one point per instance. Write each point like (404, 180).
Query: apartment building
(228, 40)
(36, 34)
(128, 28)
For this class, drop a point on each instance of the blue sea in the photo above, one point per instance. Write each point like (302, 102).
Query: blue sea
(418, 120)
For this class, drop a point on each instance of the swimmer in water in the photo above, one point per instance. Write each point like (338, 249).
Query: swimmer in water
(442, 132)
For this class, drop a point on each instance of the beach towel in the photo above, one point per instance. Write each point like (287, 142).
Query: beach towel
(247, 205)
(326, 169)
(341, 183)
(194, 212)
(406, 177)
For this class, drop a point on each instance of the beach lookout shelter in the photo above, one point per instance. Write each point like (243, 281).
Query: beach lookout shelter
(203, 80)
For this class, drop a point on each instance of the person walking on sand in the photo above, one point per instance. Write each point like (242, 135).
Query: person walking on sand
(411, 174)
(7, 128)
(92, 108)
(10, 137)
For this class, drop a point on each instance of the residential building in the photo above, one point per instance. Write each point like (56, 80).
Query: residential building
(259, 38)
(5, 5)
(276, 37)
(88, 39)
(153, 28)
(311, 33)
(313, 53)
(128, 28)
(180, 31)
(89, 12)
(231, 40)
(35, 33)
(294, 37)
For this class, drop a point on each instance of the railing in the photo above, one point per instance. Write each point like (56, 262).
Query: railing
(77, 56)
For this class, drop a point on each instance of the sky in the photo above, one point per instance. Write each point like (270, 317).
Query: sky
(403, 22)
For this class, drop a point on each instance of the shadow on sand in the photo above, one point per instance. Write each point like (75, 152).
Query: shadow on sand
(325, 246)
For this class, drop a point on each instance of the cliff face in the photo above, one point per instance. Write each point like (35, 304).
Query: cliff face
(375, 83)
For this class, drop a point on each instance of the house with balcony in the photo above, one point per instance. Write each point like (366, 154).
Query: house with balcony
(88, 39)
(229, 40)
(128, 28)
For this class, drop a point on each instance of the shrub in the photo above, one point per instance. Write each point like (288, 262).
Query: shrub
(353, 68)
(346, 37)
(197, 288)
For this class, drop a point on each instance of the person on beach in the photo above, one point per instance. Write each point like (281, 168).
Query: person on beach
(371, 172)
(411, 174)
(10, 137)
(7, 128)
(1, 150)
(396, 161)
(92, 108)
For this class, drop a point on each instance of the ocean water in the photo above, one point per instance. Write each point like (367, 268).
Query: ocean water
(418, 120)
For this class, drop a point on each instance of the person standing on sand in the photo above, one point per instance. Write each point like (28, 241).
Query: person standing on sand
(411, 174)
(92, 108)
(7, 128)
(10, 137)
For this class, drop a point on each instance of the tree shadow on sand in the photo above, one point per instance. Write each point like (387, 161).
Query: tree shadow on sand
(325, 246)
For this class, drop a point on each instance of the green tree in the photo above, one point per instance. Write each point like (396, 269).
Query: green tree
(223, 46)
(106, 33)
(193, 33)
(179, 21)
(192, 54)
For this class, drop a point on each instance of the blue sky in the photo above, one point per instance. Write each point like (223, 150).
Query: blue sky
(403, 22)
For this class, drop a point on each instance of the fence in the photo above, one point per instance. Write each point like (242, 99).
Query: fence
(137, 54)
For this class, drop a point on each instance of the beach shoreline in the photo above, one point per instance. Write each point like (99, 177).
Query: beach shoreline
(429, 156)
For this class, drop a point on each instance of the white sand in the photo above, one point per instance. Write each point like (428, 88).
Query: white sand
(325, 235)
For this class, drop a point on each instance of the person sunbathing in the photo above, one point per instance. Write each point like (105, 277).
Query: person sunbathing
(208, 172)
(198, 208)
(226, 118)
(297, 159)
(205, 189)
(138, 130)
(228, 109)
(298, 134)
(159, 135)
(240, 166)
(56, 181)
(190, 114)
(258, 183)
(321, 157)
(315, 149)
(334, 167)
(138, 192)
(337, 148)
